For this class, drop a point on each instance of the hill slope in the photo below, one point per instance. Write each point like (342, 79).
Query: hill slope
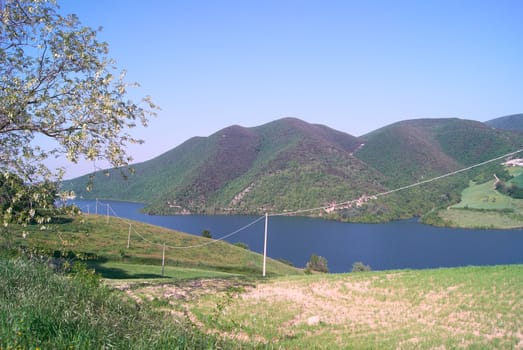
(416, 150)
(284, 164)
(422, 148)
(509, 122)
(289, 164)
(101, 239)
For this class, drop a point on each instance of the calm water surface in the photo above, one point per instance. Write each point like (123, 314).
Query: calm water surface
(395, 245)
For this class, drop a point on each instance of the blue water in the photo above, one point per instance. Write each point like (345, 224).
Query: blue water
(394, 245)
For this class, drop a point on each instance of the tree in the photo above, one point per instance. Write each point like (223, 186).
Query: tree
(57, 82)
(206, 234)
(23, 203)
(317, 263)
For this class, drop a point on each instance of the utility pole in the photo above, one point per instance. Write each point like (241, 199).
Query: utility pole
(129, 237)
(163, 258)
(265, 246)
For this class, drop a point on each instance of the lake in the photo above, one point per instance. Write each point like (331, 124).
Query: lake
(395, 245)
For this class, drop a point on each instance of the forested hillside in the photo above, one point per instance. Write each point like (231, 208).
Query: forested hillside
(509, 122)
(289, 164)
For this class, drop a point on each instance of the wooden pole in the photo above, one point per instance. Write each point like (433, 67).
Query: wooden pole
(265, 246)
(129, 237)
(163, 258)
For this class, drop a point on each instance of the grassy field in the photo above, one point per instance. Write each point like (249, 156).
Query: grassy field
(469, 307)
(217, 300)
(485, 196)
(40, 309)
(104, 241)
(119, 270)
(472, 307)
(481, 206)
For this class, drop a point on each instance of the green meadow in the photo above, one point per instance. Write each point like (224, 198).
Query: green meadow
(216, 299)
(102, 242)
(481, 206)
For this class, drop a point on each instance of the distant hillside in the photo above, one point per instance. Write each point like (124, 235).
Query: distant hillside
(421, 148)
(289, 164)
(509, 122)
(284, 164)
(416, 150)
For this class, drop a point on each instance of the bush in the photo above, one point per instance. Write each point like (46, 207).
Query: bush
(511, 190)
(360, 267)
(242, 245)
(317, 263)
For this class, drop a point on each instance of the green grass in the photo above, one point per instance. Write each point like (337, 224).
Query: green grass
(485, 196)
(212, 301)
(120, 270)
(470, 307)
(105, 239)
(40, 309)
(481, 206)
(481, 219)
(208, 307)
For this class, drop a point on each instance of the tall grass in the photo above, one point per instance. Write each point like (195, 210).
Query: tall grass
(40, 309)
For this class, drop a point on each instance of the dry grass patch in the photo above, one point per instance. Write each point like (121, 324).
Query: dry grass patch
(447, 308)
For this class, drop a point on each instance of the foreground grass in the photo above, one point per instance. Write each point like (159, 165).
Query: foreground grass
(473, 307)
(210, 307)
(40, 309)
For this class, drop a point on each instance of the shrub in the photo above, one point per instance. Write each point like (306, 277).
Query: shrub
(242, 245)
(360, 267)
(317, 263)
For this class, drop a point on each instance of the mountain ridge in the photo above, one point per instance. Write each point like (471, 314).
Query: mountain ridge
(508, 122)
(289, 164)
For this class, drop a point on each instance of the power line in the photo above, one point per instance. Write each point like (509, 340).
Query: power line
(300, 211)
(381, 194)
(185, 247)
(306, 210)
(221, 238)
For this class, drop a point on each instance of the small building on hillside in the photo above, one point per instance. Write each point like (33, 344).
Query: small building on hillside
(514, 162)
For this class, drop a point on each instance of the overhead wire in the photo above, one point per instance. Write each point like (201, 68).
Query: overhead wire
(308, 210)
(381, 194)
(212, 241)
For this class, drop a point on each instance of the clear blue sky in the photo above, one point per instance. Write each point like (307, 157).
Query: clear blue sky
(352, 65)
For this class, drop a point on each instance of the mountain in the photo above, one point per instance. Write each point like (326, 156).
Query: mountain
(413, 151)
(289, 164)
(284, 164)
(509, 122)
(422, 148)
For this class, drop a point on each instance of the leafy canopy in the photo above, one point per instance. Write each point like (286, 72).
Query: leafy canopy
(58, 83)
(56, 80)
